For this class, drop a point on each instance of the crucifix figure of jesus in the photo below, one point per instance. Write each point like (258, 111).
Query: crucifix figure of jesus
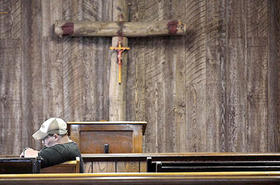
(119, 29)
(120, 50)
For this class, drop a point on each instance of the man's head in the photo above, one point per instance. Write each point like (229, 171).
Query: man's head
(51, 131)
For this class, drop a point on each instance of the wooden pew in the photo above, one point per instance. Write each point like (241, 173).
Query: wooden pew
(66, 167)
(186, 178)
(133, 162)
(214, 162)
(13, 165)
(19, 165)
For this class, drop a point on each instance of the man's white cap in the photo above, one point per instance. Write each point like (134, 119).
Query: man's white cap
(51, 126)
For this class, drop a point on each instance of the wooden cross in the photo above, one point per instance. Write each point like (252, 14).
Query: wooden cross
(119, 29)
(120, 50)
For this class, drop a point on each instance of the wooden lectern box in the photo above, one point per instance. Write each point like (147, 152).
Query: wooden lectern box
(108, 137)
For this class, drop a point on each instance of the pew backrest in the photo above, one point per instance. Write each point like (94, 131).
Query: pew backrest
(213, 164)
(19, 165)
(66, 167)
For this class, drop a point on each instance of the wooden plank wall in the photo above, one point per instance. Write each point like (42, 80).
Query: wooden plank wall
(216, 89)
(223, 97)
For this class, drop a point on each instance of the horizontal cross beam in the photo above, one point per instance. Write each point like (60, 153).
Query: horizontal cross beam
(124, 29)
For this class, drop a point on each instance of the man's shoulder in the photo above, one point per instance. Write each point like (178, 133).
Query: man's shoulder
(70, 144)
(62, 146)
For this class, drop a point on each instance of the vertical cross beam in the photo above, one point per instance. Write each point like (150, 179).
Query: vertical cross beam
(117, 100)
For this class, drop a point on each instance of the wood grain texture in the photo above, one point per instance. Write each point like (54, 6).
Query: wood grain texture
(34, 100)
(10, 74)
(130, 166)
(215, 89)
(88, 167)
(143, 166)
(178, 109)
(103, 167)
(257, 59)
(273, 82)
(236, 67)
(23, 87)
(120, 137)
(196, 78)
(216, 75)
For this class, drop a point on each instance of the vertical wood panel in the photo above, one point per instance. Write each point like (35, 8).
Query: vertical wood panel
(128, 166)
(10, 77)
(236, 92)
(148, 11)
(143, 166)
(77, 66)
(257, 59)
(237, 101)
(177, 57)
(35, 78)
(88, 167)
(46, 37)
(215, 72)
(10, 102)
(196, 78)
(104, 64)
(67, 64)
(273, 75)
(103, 167)
(136, 81)
(25, 122)
(54, 71)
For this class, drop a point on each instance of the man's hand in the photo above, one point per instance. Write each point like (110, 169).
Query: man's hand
(29, 153)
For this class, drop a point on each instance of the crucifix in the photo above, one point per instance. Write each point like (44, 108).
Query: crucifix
(120, 50)
(119, 29)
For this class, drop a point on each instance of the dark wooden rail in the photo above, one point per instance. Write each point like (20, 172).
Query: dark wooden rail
(217, 166)
(187, 178)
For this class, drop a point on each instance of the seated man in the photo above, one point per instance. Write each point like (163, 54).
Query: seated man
(58, 148)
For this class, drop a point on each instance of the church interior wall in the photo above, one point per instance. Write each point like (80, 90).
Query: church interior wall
(214, 89)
